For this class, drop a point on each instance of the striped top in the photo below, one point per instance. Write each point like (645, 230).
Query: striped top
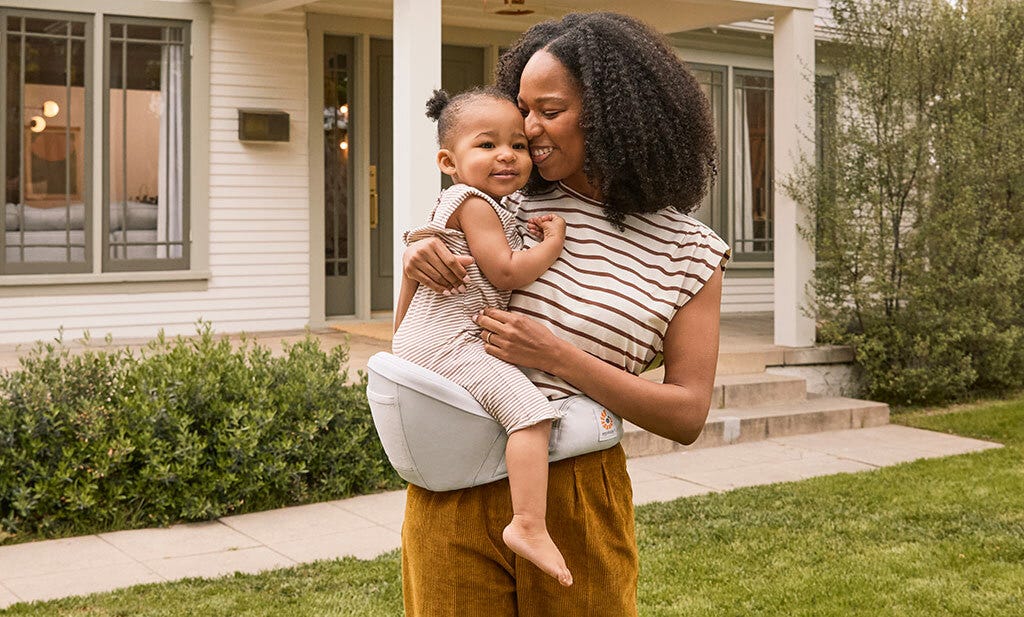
(613, 293)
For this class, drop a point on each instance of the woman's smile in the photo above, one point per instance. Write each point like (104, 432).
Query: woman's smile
(538, 154)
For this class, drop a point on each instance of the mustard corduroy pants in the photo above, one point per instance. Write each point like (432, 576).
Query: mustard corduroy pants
(454, 562)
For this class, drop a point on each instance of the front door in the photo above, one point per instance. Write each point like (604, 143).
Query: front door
(461, 68)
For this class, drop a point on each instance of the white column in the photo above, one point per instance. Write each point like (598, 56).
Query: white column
(417, 71)
(793, 61)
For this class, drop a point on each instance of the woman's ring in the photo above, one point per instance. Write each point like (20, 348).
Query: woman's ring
(487, 338)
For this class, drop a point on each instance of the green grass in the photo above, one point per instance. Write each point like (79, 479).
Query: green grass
(929, 538)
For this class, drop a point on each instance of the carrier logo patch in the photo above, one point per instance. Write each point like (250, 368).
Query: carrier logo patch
(607, 424)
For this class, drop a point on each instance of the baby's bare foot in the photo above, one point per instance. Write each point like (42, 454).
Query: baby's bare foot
(530, 540)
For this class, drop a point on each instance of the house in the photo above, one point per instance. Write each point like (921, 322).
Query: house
(249, 162)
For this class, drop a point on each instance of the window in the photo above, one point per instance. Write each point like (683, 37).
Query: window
(45, 227)
(712, 82)
(752, 217)
(146, 162)
(48, 129)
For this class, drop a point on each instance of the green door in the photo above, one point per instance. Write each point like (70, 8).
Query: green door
(461, 68)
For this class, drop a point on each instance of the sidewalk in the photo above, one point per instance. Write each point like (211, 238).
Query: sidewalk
(370, 525)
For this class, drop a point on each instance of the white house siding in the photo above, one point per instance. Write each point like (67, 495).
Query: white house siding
(742, 294)
(258, 206)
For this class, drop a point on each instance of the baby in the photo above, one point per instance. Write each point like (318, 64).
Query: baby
(484, 150)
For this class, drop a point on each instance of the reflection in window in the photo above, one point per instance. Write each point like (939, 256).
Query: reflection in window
(752, 216)
(712, 83)
(46, 191)
(336, 155)
(148, 165)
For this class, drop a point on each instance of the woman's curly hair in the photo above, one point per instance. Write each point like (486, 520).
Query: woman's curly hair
(648, 130)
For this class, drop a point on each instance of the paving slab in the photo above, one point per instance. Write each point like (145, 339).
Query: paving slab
(81, 581)
(210, 565)
(295, 523)
(7, 597)
(385, 509)
(54, 556)
(666, 489)
(363, 544)
(178, 540)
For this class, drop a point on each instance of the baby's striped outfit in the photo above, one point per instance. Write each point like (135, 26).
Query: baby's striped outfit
(438, 332)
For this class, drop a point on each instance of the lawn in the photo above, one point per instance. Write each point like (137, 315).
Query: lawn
(929, 538)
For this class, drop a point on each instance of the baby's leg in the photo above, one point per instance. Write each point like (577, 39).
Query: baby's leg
(526, 456)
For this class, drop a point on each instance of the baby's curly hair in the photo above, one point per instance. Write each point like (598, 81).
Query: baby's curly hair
(648, 129)
(446, 109)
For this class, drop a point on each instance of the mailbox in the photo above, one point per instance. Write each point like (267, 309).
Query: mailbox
(262, 125)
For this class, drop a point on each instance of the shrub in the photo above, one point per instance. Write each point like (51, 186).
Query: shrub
(919, 197)
(183, 430)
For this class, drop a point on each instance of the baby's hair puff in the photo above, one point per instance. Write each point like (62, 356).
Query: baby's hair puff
(445, 109)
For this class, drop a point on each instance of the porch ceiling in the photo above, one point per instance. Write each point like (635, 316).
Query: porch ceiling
(667, 15)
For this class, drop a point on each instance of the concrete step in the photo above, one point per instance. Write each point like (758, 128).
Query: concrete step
(732, 425)
(753, 389)
(749, 389)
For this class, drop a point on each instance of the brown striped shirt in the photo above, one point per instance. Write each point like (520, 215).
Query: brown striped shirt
(613, 293)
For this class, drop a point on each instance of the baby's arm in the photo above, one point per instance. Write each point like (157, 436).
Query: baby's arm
(503, 267)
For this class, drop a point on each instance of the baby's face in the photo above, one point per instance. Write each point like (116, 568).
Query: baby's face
(490, 151)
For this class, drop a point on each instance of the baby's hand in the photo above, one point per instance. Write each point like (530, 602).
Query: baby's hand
(547, 226)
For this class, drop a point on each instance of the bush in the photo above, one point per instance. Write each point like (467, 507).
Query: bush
(184, 430)
(919, 197)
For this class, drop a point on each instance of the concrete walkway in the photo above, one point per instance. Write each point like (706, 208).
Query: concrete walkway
(370, 525)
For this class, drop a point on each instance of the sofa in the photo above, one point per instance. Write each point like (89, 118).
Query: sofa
(44, 232)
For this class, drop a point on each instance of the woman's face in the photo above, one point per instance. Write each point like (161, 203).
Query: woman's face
(552, 106)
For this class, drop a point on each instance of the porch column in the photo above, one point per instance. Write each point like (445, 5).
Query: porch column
(793, 49)
(417, 72)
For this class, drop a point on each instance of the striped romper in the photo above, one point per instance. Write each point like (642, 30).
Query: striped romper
(438, 332)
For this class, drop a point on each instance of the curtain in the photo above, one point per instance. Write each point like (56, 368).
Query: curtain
(743, 220)
(170, 202)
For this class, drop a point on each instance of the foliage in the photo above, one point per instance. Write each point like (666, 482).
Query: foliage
(919, 198)
(183, 430)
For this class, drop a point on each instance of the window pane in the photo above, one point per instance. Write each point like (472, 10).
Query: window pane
(753, 216)
(711, 84)
(146, 151)
(153, 33)
(336, 161)
(44, 164)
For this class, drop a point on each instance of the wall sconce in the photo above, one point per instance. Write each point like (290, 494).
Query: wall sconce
(37, 124)
(50, 109)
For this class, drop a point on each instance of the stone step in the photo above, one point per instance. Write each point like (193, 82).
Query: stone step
(754, 389)
(749, 389)
(731, 425)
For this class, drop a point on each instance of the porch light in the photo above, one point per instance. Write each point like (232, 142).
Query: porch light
(51, 109)
(37, 124)
(512, 7)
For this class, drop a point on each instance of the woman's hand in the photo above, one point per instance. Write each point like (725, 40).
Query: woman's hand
(519, 340)
(430, 263)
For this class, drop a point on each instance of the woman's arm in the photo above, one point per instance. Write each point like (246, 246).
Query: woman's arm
(429, 262)
(675, 409)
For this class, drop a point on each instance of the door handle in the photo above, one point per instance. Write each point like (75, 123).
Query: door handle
(374, 198)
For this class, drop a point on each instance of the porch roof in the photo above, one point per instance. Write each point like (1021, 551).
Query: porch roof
(667, 15)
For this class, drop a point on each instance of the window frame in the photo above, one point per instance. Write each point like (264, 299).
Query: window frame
(19, 269)
(97, 281)
(720, 212)
(111, 264)
(739, 255)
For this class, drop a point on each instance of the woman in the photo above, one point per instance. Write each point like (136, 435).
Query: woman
(623, 145)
